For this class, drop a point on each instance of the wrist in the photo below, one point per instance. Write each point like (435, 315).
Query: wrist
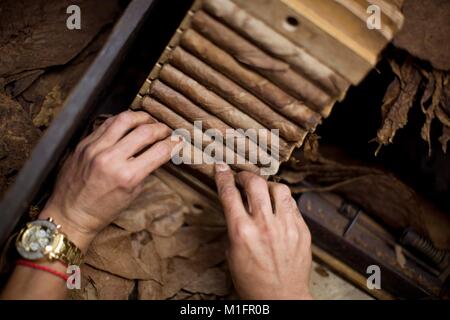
(80, 237)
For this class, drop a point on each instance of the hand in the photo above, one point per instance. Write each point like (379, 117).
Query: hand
(105, 174)
(270, 247)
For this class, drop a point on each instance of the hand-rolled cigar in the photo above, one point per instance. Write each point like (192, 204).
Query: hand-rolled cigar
(175, 121)
(207, 99)
(206, 169)
(213, 103)
(278, 45)
(184, 107)
(249, 80)
(256, 59)
(241, 98)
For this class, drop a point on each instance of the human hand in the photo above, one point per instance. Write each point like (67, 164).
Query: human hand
(105, 173)
(270, 246)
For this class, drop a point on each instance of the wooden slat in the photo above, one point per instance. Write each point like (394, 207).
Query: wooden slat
(359, 9)
(309, 36)
(342, 25)
(391, 8)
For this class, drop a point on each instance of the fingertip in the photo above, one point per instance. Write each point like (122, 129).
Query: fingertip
(222, 174)
(221, 168)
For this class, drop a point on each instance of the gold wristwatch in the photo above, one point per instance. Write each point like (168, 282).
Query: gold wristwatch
(42, 239)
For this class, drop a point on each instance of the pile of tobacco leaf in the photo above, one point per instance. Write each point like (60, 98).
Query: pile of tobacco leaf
(41, 60)
(159, 248)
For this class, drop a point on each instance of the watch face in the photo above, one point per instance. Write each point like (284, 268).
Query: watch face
(32, 242)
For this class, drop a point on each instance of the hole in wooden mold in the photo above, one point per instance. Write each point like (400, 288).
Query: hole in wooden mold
(291, 23)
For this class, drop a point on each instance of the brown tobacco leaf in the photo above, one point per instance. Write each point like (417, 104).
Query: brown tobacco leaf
(17, 138)
(65, 78)
(204, 207)
(21, 81)
(184, 295)
(158, 209)
(50, 108)
(121, 253)
(185, 240)
(177, 272)
(212, 281)
(33, 33)
(425, 32)
(433, 91)
(211, 254)
(445, 138)
(435, 102)
(100, 285)
(150, 290)
(395, 110)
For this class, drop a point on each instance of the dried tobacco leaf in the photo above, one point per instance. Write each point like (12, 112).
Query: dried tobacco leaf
(17, 138)
(150, 290)
(395, 111)
(100, 285)
(425, 32)
(445, 138)
(204, 207)
(184, 295)
(212, 281)
(64, 77)
(21, 81)
(211, 254)
(187, 239)
(51, 106)
(114, 250)
(177, 272)
(434, 88)
(158, 209)
(25, 27)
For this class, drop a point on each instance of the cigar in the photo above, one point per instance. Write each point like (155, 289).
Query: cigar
(175, 121)
(191, 112)
(279, 46)
(241, 98)
(221, 108)
(207, 99)
(249, 80)
(275, 70)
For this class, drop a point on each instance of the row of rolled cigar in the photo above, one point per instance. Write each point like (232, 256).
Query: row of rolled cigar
(277, 45)
(177, 122)
(218, 76)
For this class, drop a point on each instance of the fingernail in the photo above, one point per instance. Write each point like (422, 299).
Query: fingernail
(177, 138)
(222, 167)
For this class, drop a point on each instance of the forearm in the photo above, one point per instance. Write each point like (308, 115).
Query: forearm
(30, 284)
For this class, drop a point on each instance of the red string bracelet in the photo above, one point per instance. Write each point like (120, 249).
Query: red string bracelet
(29, 264)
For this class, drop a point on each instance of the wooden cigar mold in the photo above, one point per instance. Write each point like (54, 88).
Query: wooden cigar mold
(232, 66)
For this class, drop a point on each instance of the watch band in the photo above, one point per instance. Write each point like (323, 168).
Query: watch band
(65, 250)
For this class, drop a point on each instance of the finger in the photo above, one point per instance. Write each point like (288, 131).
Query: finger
(258, 196)
(159, 154)
(119, 127)
(229, 195)
(284, 204)
(94, 135)
(140, 138)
